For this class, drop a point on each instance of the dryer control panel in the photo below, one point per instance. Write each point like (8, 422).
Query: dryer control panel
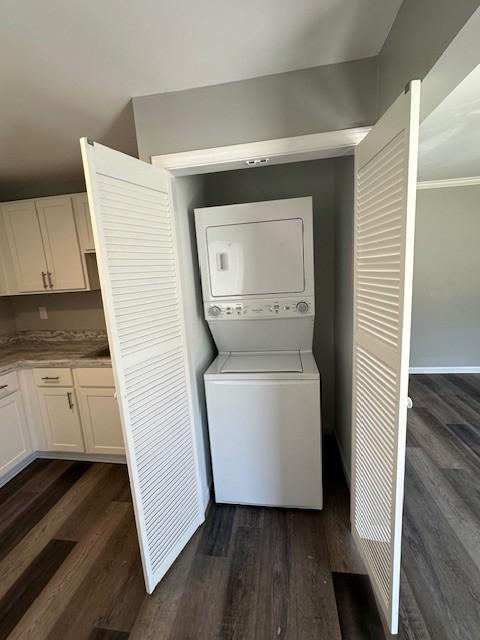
(248, 310)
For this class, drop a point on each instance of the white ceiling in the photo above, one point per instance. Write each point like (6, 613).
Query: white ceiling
(450, 136)
(70, 68)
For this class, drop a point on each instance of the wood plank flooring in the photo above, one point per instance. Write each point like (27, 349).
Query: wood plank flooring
(70, 567)
(440, 588)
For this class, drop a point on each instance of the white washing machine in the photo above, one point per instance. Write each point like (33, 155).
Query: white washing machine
(263, 389)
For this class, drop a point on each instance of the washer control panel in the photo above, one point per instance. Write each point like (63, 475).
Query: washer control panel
(247, 310)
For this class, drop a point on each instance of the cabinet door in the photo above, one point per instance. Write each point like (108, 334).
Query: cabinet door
(101, 421)
(13, 442)
(83, 221)
(26, 245)
(61, 419)
(62, 248)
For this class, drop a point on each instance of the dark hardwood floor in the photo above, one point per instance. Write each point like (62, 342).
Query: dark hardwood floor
(70, 567)
(440, 589)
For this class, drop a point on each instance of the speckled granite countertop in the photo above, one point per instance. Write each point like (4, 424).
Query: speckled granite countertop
(54, 349)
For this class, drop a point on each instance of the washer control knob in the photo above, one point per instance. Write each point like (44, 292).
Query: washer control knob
(302, 307)
(214, 311)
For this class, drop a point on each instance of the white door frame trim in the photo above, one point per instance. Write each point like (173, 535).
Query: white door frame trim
(278, 151)
(449, 182)
(445, 369)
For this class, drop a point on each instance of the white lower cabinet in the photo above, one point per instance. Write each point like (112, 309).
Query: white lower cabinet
(61, 419)
(101, 421)
(66, 411)
(79, 410)
(14, 439)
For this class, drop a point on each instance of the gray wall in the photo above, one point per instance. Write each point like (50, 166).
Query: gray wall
(315, 178)
(82, 310)
(324, 98)
(7, 319)
(190, 193)
(446, 283)
(420, 34)
(344, 306)
(37, 188)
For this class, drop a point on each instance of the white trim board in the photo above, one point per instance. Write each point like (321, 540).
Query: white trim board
(281, 150)
(461, 369)
(449, 182)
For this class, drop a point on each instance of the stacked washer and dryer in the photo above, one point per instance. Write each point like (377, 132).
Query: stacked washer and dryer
(263, 389)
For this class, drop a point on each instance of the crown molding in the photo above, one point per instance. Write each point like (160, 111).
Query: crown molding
(449, 182)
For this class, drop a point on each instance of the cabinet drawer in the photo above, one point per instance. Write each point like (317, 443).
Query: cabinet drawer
(8, 383)
(53, 377)
(92, 377)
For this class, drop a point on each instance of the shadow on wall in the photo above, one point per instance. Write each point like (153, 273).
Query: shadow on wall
(61, 142)
(78, 310)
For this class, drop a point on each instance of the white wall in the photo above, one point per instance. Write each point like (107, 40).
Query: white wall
(190, 193)
(446, 283)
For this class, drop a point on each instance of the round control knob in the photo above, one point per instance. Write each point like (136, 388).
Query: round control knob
(214, 311)
(302, 307)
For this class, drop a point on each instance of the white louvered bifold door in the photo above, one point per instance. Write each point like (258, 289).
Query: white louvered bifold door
(385, 192)
(133, 224)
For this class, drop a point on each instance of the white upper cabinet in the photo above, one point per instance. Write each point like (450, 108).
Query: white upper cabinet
(62, 249)
(26, 245)
(46, 243)
(84, 223)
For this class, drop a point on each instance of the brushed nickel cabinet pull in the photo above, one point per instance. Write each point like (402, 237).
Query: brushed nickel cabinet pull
(51, 378)
(49, 274)
(69, 398)
(44, 276)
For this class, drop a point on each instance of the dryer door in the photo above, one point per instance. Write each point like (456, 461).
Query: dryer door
(256, 258)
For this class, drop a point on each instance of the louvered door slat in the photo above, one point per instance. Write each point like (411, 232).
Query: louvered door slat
(383, 260)
(135, 243)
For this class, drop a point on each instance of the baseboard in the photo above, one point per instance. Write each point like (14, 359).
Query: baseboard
(461, 369)
(79, 457)
(346, 471)
(16, 470)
